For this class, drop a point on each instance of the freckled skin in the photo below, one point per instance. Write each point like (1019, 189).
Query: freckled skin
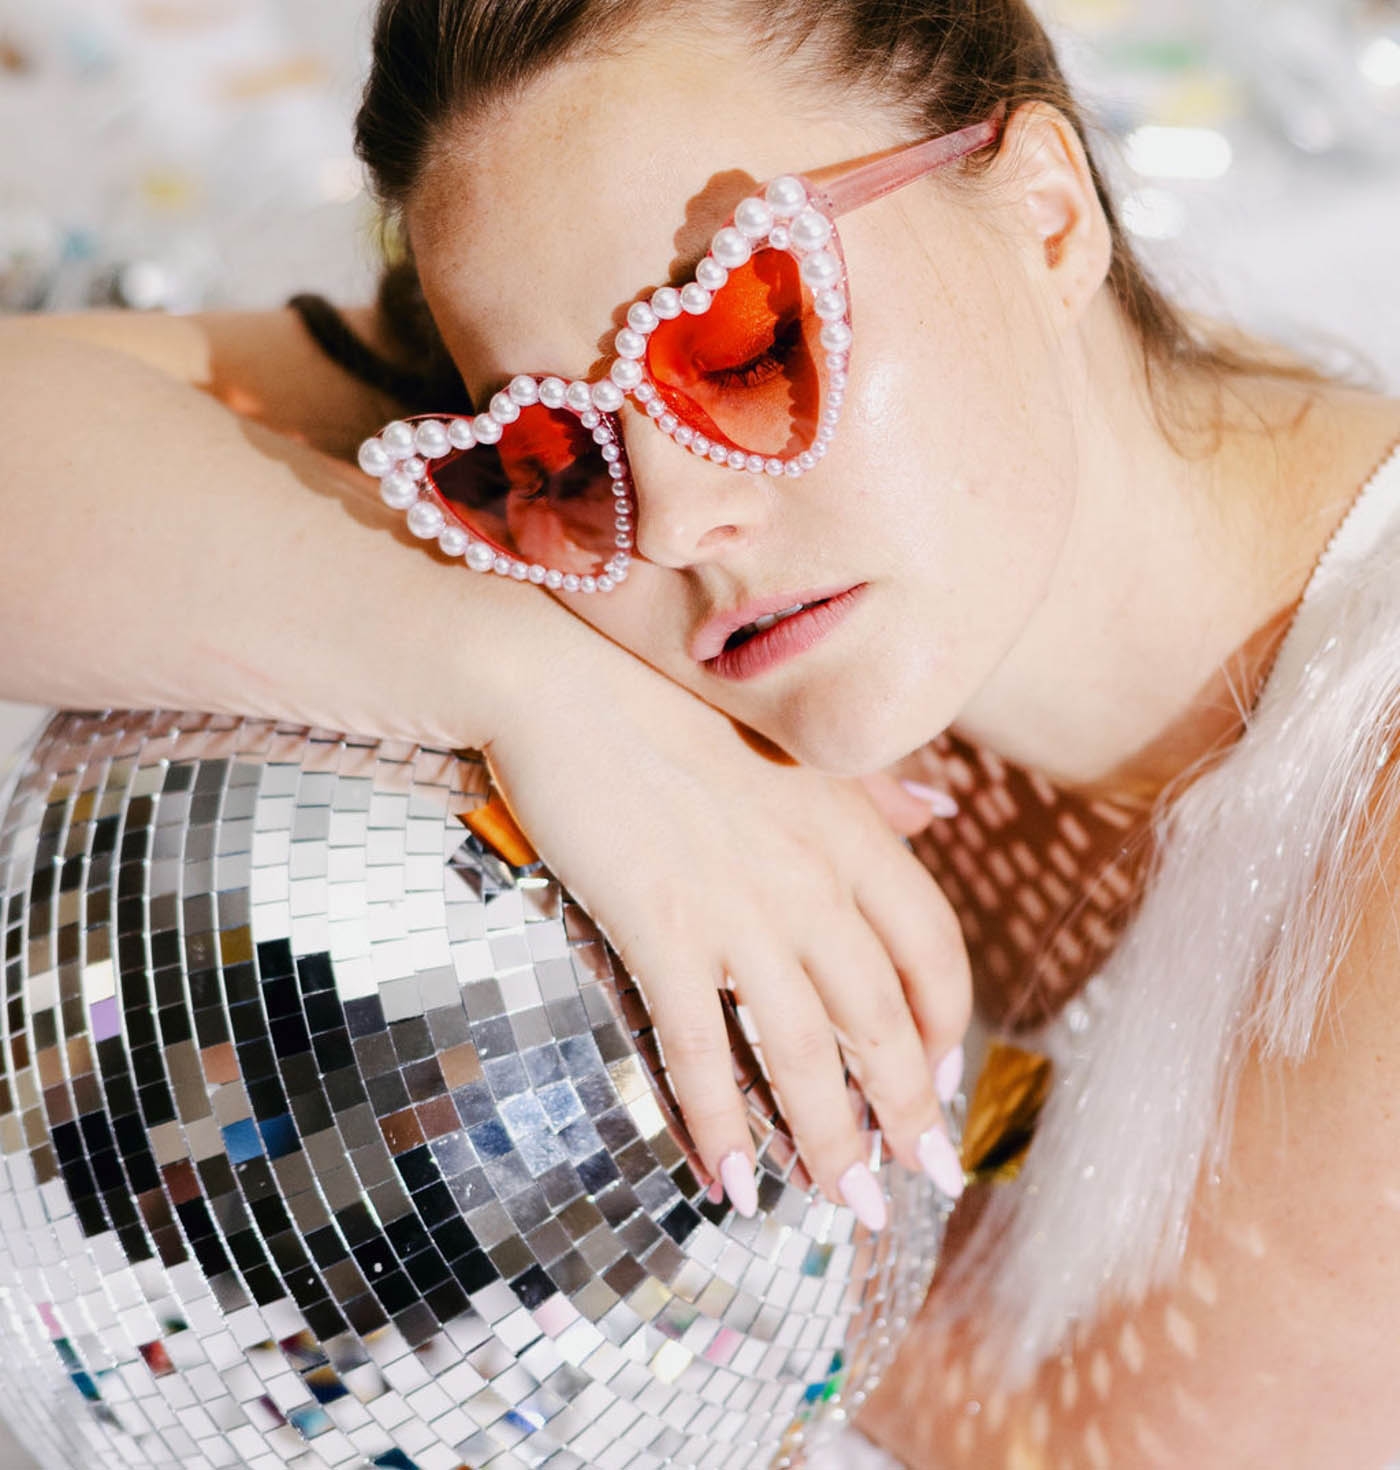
(951, 483)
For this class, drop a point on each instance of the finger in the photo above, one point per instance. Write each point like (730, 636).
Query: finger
(866, 1001)
(686, 1011)
(804, 1063)
(907, 812)
(918, 930)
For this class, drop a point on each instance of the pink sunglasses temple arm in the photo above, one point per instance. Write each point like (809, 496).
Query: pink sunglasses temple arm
(867, 182)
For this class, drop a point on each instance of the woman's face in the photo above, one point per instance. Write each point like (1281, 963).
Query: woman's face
(944, 501)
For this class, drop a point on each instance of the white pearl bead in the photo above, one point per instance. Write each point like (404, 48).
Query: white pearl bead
(821, 269)
(831, 415)
(617, 471)
(810, 230)
(570, 582)
(754, 464)
(590, 418)
(792, 469)
(780, 239)
(836, 362)
(645, 393)
(669, 423)
(453, 540)
(431, 440)
(622, 541)
(504, 409)
(666, 303)
(655, 408)
(480, 557)
(684, 435)
(737, 459)
(731, 248)
(605, 583)
(836, 337)
(486, 429)
(619, 573)
(754, 218)
(806, 459)
(414, 468)
(785, 196)
(524, 391)
(397, 438)
(607, 396)
(696, 299)
(824, 435)
(552, 392)
(830, 305)
(630, 343)
(839, 380)
(425, 520)
(719, 454)
(554, 580)
(579, 397)
(711, 274)
(588, 584)
(611, 453)
(622, 523)
(626, 372)
(519, 571)
(375, 459)
(501, 566)
(641, 318)
(459, 432)
(537, 574)
(700, 444)
(819, 449)
(398, 490)
(602, 435)
(774, 467)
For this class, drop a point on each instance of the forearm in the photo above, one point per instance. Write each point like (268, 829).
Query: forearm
(158, 550)
(263, 365)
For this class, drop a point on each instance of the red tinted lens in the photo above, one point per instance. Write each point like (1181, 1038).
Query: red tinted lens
(751, 371)
(543, 495)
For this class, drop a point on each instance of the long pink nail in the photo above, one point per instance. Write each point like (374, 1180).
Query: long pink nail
(940, 803)
(939, 1160)
(737, 1173)
(861, 1190)
(948, 1075)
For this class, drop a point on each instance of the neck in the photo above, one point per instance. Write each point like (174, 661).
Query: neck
(1179, 576)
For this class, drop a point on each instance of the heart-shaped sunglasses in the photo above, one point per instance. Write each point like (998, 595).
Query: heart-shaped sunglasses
(745, 365)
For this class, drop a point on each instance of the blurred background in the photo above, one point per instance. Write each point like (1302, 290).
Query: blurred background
(187, 154)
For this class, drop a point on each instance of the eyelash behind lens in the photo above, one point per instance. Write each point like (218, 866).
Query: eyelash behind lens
(763, 367)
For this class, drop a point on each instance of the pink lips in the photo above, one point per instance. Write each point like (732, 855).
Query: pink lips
(775, 645)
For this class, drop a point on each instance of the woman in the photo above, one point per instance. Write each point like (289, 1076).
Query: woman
(1055, 526)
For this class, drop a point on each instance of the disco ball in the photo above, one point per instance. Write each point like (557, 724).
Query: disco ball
(333, 1135)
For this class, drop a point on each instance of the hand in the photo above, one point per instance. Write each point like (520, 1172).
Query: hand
(706, 862)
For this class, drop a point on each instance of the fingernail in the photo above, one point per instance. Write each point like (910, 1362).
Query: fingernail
(948, 1075)
(737, 1173)
(939, 1160)
(939, 802)
(861, 1190)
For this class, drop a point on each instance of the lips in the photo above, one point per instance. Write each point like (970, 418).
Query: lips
(708, 643)
(784, 640)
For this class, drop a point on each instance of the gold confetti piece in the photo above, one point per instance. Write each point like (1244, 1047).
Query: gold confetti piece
(1006, 1102)
(494, 825)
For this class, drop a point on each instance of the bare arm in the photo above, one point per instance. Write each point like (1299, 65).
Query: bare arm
(159, 549)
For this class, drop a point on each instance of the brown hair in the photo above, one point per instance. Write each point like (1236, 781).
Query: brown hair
(936, 65)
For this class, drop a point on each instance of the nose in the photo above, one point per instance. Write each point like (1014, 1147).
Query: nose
(689, 510)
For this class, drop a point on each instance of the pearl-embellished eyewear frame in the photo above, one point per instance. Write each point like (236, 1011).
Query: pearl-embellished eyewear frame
(745, 365)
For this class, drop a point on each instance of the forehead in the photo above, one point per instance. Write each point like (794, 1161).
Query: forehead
(537, 224)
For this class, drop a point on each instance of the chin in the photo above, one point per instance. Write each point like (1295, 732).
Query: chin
(850, 734)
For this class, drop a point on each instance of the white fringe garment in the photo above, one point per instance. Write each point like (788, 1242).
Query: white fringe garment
(1251, 903)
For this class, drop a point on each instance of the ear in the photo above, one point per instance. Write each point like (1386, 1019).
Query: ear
(1056, 209)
